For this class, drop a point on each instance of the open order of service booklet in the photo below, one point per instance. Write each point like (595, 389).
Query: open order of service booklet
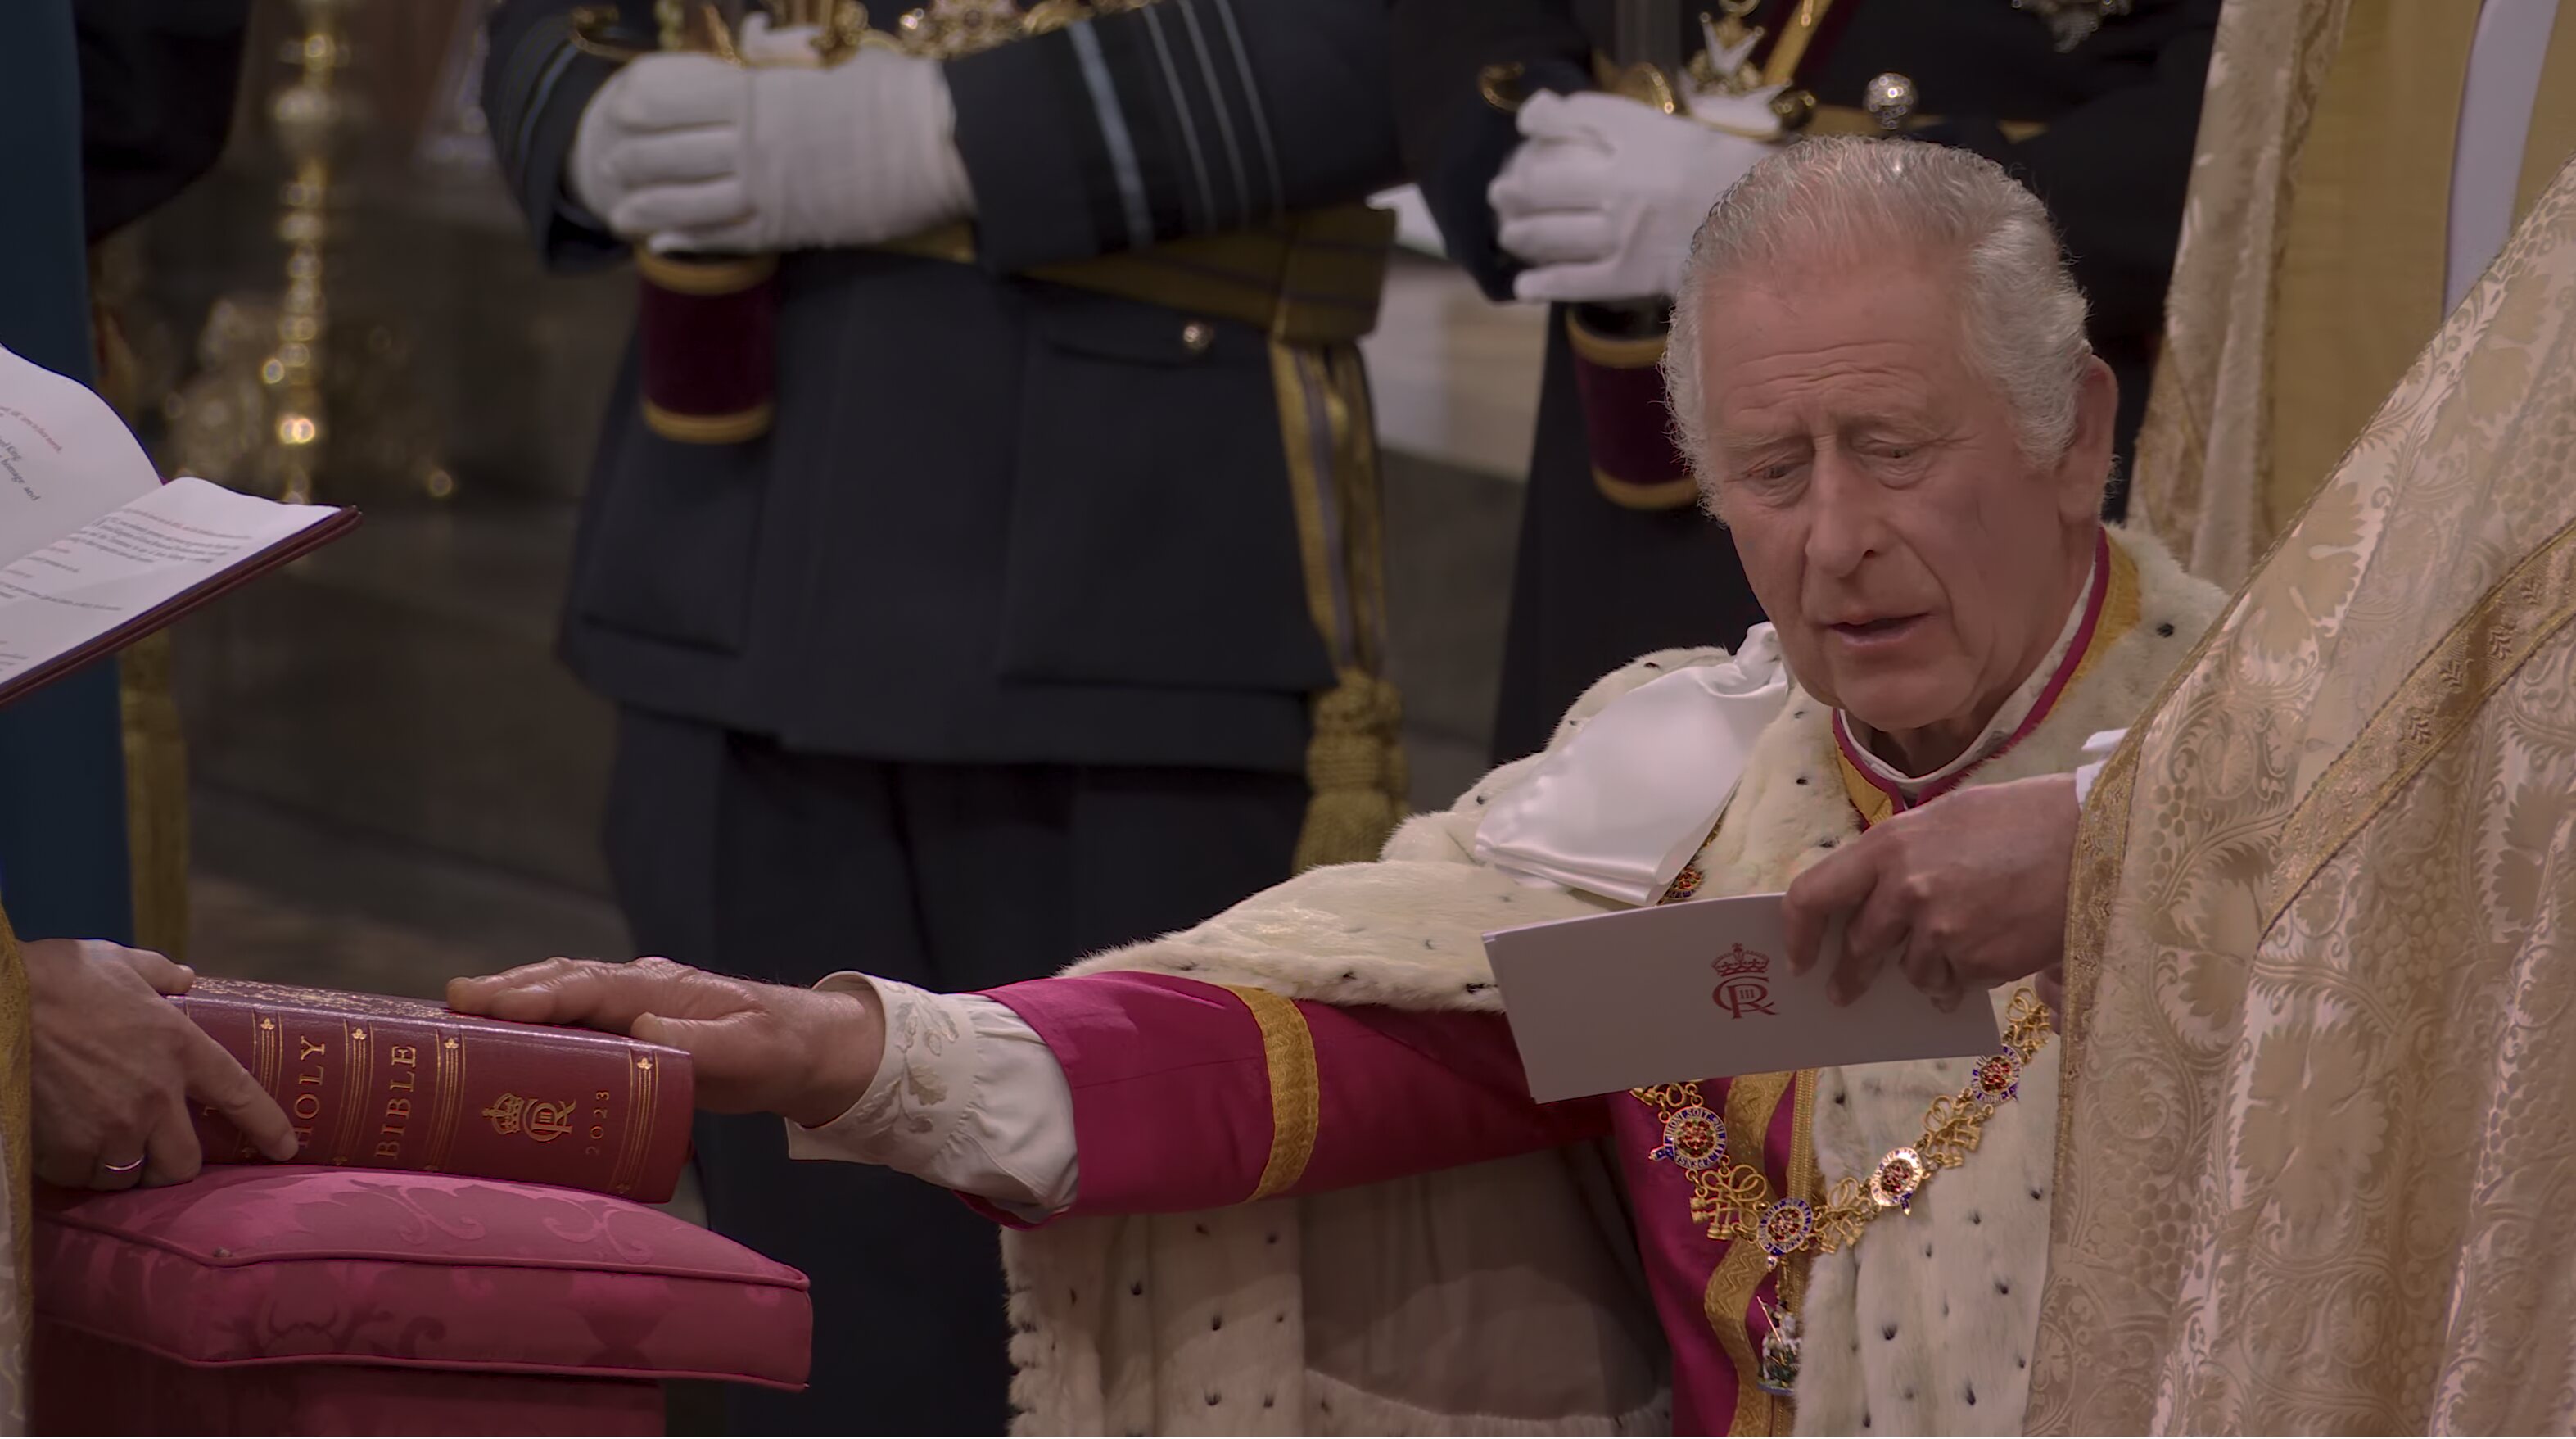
(96, 552)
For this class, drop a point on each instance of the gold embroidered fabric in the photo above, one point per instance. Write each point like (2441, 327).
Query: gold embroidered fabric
(2318, 1132)
(1751, 1102)
(2311, 260)
(1288, 1054)
(2203, 448)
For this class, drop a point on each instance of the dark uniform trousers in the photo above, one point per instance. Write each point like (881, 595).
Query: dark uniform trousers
(1596, 584)
(996, 649)
(735, 854)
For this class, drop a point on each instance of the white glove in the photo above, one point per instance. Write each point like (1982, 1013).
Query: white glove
(758, 43)
(1604, 194)
(688, 152)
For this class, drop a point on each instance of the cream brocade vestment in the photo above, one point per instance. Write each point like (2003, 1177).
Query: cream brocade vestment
(2318, 1148)
(2327, 194)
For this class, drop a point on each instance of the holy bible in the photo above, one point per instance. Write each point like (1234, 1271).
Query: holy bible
(96, 552)
(374, 1082)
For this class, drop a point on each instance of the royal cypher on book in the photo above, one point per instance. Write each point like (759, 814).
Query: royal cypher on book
(375, 1082)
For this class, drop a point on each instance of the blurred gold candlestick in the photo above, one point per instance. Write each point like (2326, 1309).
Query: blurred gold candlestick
(313, 116)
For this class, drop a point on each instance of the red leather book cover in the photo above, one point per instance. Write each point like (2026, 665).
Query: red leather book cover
(383, 1083)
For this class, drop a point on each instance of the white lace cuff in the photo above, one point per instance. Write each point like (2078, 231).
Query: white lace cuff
(967, 1097)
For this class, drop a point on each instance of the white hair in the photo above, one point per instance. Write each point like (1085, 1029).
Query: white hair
(1844, 196)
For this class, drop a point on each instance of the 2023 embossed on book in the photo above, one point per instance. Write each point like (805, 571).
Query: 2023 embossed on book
(375, 1082)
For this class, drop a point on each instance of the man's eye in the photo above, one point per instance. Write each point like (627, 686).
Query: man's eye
(1777, 471)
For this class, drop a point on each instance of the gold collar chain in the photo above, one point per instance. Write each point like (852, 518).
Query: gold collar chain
(1733, 1196)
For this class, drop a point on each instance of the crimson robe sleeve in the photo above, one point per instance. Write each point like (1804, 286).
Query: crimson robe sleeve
(1191, 1096)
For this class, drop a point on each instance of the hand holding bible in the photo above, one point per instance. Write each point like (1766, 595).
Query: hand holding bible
(117, 1067)
(756, 1047)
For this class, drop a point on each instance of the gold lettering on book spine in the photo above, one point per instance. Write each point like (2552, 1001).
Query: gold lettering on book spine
(304, 1100)
(643, 1107)
(353, 1092)
(402, 1080)
(267, 1060)
(448, 1067)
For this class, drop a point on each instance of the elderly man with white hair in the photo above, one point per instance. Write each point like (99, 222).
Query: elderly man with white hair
(1281, 1173)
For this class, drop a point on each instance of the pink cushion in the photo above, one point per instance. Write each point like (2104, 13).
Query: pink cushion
(88, 1385)
(257, 1264)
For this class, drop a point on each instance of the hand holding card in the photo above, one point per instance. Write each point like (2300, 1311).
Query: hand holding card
(1962, 896)
(1700, 991)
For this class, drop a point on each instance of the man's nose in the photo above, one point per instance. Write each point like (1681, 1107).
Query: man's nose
(1845, 528)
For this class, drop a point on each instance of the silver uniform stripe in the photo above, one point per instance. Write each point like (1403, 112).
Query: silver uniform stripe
(1328, 510)
(1252, 102)
(1216, 102)
(1181, 106)
(1113, 131)
(559, 62)
(507, 106)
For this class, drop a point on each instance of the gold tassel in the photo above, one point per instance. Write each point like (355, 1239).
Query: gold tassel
(1355, 765)
(1354, 756)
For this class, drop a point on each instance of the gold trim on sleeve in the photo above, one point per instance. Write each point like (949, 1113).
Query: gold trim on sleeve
(1663, 495)
(1288, 1048)
(730, 429)
(703, 276)
(1616, 354)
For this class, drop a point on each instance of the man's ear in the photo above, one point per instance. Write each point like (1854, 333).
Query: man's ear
(2086, 468)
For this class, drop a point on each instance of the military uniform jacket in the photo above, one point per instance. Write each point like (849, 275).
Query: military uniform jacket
(1596, 584)
(996, 520)
(2121, 109)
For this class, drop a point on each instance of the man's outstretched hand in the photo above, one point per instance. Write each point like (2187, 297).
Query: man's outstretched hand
(754, 1047)
(1968, 892)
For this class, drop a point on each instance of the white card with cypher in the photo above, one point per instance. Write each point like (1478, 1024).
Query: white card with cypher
(1702, 990)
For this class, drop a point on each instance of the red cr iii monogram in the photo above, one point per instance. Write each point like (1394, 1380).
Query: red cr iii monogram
(1743, 982)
